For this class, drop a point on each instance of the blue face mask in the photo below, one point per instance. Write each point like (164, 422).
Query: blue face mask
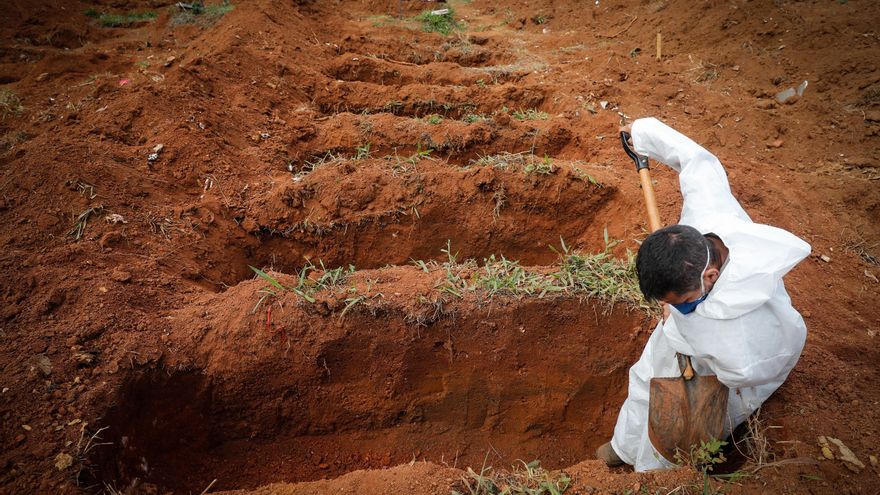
(689, 307)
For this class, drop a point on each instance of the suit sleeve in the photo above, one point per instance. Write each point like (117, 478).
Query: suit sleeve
(702, 178)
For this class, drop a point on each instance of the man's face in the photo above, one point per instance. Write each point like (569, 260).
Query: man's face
(710, 276)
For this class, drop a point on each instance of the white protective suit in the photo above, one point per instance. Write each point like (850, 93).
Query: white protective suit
(746, 331)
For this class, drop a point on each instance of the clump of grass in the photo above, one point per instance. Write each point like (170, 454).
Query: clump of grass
(407, 164)
(82, 221)
(310, 166)
(199, 13)
(434, 119)
(524, 162)
(530, 114)
(530, 479)
(306, 287)
(91, 12)
(543, 167)
(580, 174)
(10, 104)
(362, 152)
(122, 20)
(439, 23)
(703, 459)
(503, 160)
(503, 276)
(455, 282)
(473, 118)
(593, 275)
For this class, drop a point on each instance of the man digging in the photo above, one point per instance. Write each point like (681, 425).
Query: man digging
(719, 276)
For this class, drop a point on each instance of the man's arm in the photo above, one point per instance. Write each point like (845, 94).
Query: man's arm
(703, 180)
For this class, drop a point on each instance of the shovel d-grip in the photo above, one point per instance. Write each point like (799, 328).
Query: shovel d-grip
(645, 177)
(641, 161)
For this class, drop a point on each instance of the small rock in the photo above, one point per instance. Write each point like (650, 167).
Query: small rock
(42, 77)
(872, 115)
(114, 218)
(169, 61)
(250, 225)
(856, 403)
(19, 439)
(873, 459)
(103, 290)
(44, 365)
(120, 275)
(825, 258)
(765, 104)
(324, 465)
(158, 148)
(84, 358)
(63, 461)
(847, 456)
(26, 427)
(807, 314)
(776, 143)
(826, 452)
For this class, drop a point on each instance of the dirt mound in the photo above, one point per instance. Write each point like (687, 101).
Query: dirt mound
(148, 155)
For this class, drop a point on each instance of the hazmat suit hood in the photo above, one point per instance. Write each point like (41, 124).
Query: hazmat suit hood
(759, 256)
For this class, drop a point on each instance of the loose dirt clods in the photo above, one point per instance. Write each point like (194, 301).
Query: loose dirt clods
(353, 247)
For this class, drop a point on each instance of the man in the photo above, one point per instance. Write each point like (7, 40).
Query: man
(720, 277)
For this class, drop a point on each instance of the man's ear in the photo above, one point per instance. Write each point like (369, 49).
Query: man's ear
(711, 275)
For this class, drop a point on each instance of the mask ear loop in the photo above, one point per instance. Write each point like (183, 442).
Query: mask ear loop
(702, 285)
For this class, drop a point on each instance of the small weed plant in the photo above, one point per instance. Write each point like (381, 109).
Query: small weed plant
(530, 114)
(122, 20)
(10, 104)
(82, 221)
(528, 479)
(543, 167)
(524, 162)
(306, 286)
(472, 118)
(597, 275)
(199, 13)
(703, 458)
(439, 23)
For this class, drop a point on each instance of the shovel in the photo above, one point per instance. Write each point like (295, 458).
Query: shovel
(686, 410)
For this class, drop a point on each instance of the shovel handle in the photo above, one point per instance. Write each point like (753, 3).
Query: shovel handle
(688, 372)
(645, 177)
(650, 199)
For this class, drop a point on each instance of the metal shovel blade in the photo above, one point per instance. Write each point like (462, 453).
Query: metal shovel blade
(682, 413)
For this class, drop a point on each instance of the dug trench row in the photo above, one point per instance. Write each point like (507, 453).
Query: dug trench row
(420, 100)
(457, 140)
(296, 391)
(386, 71)
(375, 212)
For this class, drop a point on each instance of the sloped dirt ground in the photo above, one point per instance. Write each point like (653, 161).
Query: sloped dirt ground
(143, 357)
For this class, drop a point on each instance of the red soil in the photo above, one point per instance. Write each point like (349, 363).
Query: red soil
(147, 326)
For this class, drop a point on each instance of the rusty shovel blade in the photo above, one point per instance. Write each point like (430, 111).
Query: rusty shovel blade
(682, 413)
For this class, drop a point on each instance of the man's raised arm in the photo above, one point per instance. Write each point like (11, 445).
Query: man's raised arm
(703, 181)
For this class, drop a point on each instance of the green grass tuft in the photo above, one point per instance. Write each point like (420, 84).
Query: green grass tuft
(530, 114)
(10, 104)
(121, 20)
(593, 275)
(529, 479)
(439, 23)
(205, 15)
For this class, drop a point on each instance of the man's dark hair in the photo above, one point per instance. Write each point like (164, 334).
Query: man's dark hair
(671, 260)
